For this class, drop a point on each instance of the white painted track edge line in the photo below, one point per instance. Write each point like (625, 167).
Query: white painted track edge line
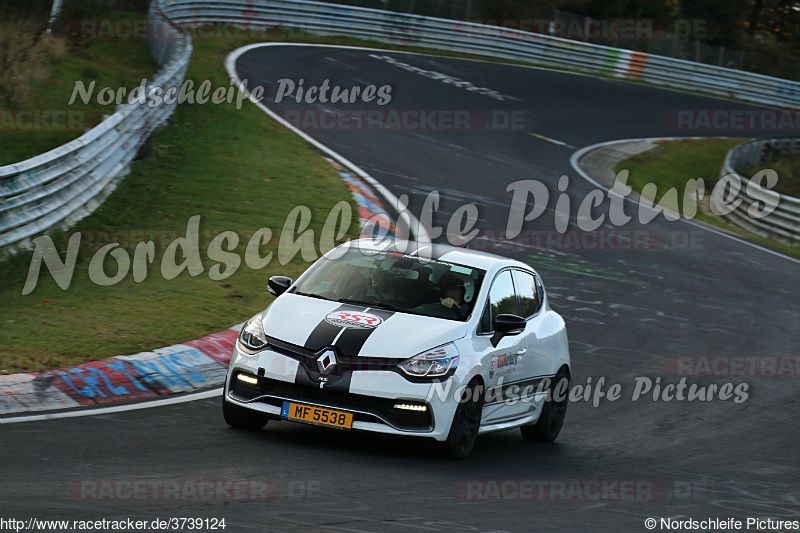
(89, 411)
(230, 67)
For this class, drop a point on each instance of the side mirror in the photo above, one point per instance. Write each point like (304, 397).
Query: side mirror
(507, 325)
(277, 285)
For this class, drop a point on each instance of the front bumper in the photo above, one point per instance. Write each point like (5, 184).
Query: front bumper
(369, 394)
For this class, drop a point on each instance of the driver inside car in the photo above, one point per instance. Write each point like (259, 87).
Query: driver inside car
(453, 291)
(450, 301)
(384, 288)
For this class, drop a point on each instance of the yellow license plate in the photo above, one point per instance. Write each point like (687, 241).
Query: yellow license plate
(317, 415)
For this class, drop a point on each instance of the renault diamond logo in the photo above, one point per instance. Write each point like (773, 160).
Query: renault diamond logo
(326, 361)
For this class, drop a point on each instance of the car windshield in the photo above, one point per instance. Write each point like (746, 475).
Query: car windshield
(397, 282)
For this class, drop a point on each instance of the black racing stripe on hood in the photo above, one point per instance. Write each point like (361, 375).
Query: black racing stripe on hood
(324, 333)
(353, 339)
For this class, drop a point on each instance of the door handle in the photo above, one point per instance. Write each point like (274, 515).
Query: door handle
(521, 352)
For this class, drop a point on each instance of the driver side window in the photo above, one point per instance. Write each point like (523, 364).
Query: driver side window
(502, 300)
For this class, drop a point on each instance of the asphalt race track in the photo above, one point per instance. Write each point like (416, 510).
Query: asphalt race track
(630, 313)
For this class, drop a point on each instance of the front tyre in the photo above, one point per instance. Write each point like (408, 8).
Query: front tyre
(240, 418)
(466, 423)
(547, 428)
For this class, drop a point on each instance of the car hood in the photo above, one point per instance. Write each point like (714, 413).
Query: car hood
(313, 323)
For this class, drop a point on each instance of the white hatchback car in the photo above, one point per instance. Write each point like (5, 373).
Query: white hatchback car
(432, 341)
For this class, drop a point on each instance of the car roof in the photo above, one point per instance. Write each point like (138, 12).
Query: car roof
(439, 252)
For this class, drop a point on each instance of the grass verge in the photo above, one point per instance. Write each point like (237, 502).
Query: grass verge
(787, 167)
(238, 170)
(672, 163)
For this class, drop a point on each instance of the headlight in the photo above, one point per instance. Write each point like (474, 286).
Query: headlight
(433, 363)
(252, 337)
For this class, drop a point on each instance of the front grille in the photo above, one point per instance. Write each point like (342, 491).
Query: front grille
(374, 409)
(345, 362)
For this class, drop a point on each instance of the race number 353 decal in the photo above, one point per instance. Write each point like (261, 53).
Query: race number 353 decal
(353, 319)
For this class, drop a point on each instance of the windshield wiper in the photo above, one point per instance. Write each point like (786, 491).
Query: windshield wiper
(382, 305)
(311, 295)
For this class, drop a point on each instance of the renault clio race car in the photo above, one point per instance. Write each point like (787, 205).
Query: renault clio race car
(433, 341)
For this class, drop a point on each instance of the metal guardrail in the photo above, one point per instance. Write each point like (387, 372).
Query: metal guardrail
(783, 223)
(491, 41)
(68, 182)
